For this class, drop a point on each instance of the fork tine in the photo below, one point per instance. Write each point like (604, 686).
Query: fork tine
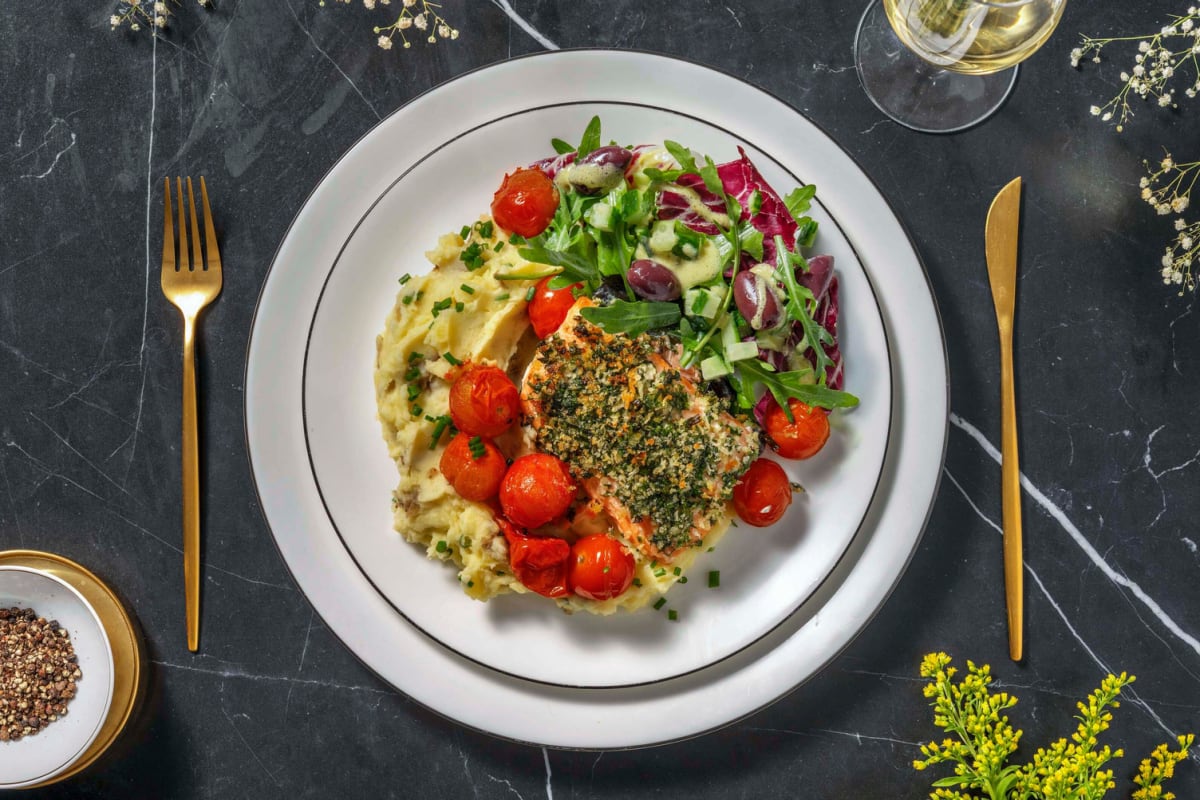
(210, 232)
(184, 263)
(168, 255)
(197, 256)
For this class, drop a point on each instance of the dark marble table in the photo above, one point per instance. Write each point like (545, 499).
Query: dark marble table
(263, 96)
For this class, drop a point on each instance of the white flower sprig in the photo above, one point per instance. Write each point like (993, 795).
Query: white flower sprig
(426, 20)
(137, 14)
(1167, 187)
(1160, 60)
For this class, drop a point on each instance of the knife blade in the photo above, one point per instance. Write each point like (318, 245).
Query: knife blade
(1000, 239)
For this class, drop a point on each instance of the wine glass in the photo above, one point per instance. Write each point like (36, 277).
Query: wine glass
(940, 66)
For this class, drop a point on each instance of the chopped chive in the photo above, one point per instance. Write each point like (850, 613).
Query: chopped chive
(672, 615)
(499, 246)
(529, 293)
(478, 449)
(678, 571)
(442, 546)
(407, 299)
(464, 541)
(417, 411)
(637, 581)
(658, 573)
(683, 579)
(450, 357)
(516, 239)
(439, 427)
(470, 584)
(472, 256)
(662, 601)
(459, 306)
(414, 391)
(442, 305)
(465, 232)
(485, 229)
(714, 579)
(467, 289)
(415, 355)
(412, 373)
(405, 278)
(503, 296)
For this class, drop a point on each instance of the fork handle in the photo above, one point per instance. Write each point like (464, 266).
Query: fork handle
(191, 488)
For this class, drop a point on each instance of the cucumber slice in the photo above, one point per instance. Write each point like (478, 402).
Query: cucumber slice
(714, 367)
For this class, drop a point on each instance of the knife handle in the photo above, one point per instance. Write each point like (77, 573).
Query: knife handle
(1010, 484)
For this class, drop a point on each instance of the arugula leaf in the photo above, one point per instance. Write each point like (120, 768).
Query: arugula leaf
(682, 155)
(797, 202)
(632, 318)
(665, 176)
(591, 137)
(561, 147)
(712, 181)
(797, 308)
(785, 385)
(799, 199)
(752, 242)
(574, 266)
(806, 232)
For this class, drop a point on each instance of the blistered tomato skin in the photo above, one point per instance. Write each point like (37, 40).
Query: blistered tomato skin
(476, 479)
(540, 563)
(525, 202)
(600, 567)
(763, 494)
(483, 401)
(538, 488)
(549, 307)
(803, 436)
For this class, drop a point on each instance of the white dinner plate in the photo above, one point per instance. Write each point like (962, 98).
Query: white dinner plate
(324, 480)
(763, 575)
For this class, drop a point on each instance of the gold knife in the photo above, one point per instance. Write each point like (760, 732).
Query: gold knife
(1003, 222)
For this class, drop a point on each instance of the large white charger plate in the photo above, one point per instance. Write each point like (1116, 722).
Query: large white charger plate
(279, 439)
(764, 575)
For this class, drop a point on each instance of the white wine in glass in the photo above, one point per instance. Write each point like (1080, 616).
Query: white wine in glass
(904, 53)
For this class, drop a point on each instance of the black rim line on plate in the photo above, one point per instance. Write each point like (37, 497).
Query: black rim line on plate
(789, 613)
(929, 290)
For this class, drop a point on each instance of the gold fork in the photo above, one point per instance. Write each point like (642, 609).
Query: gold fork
(190, 284)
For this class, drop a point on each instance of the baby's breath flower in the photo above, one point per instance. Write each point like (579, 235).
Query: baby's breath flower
(423, 15)
(385, 42)
(1168, 187)
(1157, 62)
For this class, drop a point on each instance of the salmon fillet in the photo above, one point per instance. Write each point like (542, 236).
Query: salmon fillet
(656, 452)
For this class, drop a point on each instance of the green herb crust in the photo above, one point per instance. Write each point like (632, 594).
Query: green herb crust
(615, 410)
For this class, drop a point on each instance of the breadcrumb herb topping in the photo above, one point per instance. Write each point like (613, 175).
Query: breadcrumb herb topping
(614, 409)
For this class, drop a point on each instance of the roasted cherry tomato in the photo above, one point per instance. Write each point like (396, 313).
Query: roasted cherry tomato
(536, 489)
(483, 401)
(539, 562)
(804, 436)
(601, 567)
(525, 202)
(473, 466)
(762, 494)
(549, 307)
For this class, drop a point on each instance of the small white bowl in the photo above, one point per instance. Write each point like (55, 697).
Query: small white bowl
(34, 759)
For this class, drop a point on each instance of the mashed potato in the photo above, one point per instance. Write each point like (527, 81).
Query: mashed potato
(435, 315)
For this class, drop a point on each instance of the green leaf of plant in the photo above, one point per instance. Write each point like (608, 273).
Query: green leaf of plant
(799, 199)
(953, 780)
(632, 318)
(562, 147)
(665, 176)
(591, 137)
(797, 308)
(712, 181)
(574, 267)
(785, 385)
(682, 155)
